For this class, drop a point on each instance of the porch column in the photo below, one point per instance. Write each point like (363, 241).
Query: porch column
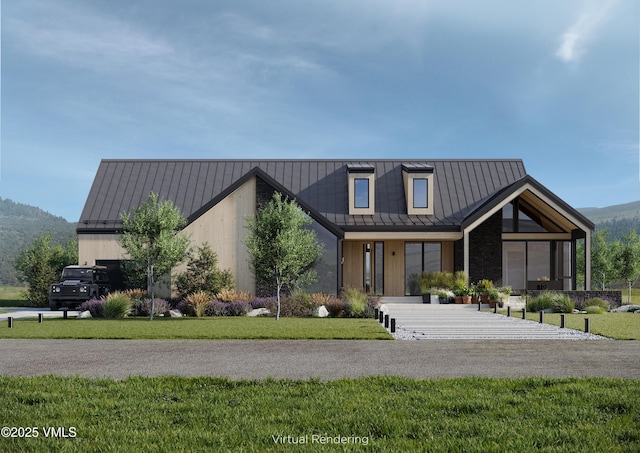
(465, 236)
(587, 260)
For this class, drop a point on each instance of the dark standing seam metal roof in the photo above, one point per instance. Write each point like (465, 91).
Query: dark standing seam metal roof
(320, 186)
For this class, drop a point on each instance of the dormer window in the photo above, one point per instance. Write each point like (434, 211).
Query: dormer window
(361, 193)
(420, 193)
(418, 188)
(361, 183)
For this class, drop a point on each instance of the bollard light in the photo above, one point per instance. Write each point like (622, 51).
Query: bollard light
(393, 325)
(562, 321)
(376, 313)
(541, 316)
(10, 322)
(587, 325)
(64, 313)
(508, 312)
(40, 317)
(386, 321)
(381, 317)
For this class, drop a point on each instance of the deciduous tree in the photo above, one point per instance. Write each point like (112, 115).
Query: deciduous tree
(152, 236)
(41, 265)
(628, 260)
(283, 251)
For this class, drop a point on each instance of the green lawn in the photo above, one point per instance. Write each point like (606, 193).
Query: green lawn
(620, 326)
(13, 296)
(389, 414)
(198, 328)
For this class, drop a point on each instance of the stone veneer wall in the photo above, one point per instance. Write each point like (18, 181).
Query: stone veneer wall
(613, 297)
(485, 251)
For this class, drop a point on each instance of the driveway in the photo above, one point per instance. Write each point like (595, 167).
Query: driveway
(325, 359)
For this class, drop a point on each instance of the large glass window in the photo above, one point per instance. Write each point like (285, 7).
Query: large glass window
(419, 257)
(514, 264)
(361, 191)
(378, 263)
(327, 266)
(538, 261)
(420, 194)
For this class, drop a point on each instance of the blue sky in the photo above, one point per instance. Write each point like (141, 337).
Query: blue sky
(552, 82)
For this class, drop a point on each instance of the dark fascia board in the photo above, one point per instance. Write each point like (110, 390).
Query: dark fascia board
(259, 173)
(499, 196)
(417, 168)
(403, 228)
(360, 168)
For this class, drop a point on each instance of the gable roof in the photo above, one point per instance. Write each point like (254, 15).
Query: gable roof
(461, 187)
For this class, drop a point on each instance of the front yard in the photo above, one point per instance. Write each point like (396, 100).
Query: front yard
(213, 328)
(382, 414)
(619, 326)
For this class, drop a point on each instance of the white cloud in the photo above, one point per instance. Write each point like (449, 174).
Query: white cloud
(575, 38)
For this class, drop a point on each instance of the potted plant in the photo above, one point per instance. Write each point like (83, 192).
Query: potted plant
(494, 295)
(484, 286)
(466, 295)
(426, 283)
(503, 295)
(443, 297)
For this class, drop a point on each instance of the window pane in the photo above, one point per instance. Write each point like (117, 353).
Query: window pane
(361, 193)
(379, 267)
(432, 257)
(412, 267)
(539, 257)
(514, 262)
(420, 193)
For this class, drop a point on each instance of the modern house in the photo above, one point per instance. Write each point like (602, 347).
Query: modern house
(382, 222)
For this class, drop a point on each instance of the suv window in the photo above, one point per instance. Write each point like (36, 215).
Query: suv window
(75, 273)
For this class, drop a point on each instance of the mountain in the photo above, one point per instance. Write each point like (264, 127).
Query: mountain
(618, 219)
(19, 225)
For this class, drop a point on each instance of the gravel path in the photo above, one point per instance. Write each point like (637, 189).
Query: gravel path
(327, 360)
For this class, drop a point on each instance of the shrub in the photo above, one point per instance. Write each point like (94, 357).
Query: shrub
(231, 295)
(197, 303)
(117, 305)
(94, 306)
(262, 302)
(238, 308)
(137, 294)
(299, 304)
(597, 302)
(594, 310)
(357, 301)
(335, 307)
(203, 275)
(143, 307)
(562, 303)
(215, 308)
(540, 303)
(370, 308)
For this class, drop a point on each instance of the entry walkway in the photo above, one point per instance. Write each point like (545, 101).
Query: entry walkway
(418, 321)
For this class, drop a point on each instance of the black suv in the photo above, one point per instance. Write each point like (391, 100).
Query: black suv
(79, 284)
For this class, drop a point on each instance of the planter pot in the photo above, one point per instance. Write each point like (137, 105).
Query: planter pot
(443, 300)
(492, 303)
(484, 298)
(474, 299)
(426, 298)
(466, 299)
(458, 299)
